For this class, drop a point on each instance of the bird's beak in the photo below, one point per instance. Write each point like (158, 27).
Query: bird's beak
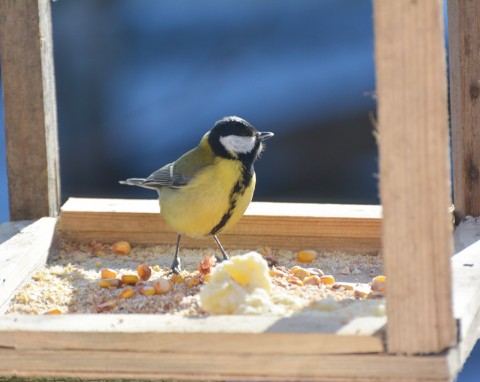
(265, 135)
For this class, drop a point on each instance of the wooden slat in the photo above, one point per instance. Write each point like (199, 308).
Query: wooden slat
(279, 225)
(29, 108)
(464, 58)
(345, 333)
(22, 254)
(414, 174)
(224, 366)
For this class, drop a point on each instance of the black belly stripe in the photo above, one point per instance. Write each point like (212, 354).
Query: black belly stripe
(224, 220)
(237, 191)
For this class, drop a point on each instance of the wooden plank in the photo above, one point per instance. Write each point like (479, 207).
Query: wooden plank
(464, 56)
(414, 174)
(345, 334)
(21, 255)
(29, 108)
(10, 229)
(223, 366)
(279, 225)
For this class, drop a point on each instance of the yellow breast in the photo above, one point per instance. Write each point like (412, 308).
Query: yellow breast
(199, 207)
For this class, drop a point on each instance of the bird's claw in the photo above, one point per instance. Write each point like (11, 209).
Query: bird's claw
(176, 267)
(221, 259)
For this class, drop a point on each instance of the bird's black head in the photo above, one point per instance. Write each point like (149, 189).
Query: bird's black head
(235, 138)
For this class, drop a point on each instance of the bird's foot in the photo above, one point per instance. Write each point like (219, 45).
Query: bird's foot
(176, 267)
(221, 259)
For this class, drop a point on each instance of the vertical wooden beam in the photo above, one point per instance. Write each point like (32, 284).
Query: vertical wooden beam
(414, 174)
(464, 60)
(26, 51)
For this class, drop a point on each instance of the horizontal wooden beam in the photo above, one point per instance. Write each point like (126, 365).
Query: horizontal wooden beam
(344, 333)
(350, 228)
(131, 363)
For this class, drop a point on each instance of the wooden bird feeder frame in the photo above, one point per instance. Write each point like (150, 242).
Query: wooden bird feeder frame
(433, 299)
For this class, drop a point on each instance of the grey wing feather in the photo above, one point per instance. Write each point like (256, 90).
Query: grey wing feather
(167, 177)
(164, 177)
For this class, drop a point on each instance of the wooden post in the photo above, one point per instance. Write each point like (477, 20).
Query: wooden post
(464, 59)
(414, 174)
(30, 108)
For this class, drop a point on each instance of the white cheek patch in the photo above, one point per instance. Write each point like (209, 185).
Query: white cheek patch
(238, 144)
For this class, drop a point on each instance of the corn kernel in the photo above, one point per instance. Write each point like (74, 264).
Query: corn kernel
(276, 272)
(147, 290)
(106, 273)
(126, 293)
(130, 279)
(312, 280)
(265, 251)
(327, 280)
(306, 255)
(295, 281)
(177, 279)
(315, 271)
(205, 266)
(374, 294)
(342, 285)
(144, 272)
(109, 283)
(99, 253)
(121, 248)
(156, 268)
(379, 284)
(95, 246)
(360, 293)
(162, 286)
(300, 272)
(106, 305)
(53, 311)
(193, 281)
(98, 264)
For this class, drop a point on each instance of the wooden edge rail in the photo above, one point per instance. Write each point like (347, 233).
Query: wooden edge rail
(252, 366)
(351, 228)
(317, 332)
(21, 255)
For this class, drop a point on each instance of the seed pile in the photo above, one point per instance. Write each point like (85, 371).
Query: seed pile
(104, 278)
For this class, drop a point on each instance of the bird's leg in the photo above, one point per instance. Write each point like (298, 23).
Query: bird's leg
(176, 267)
(224, 254)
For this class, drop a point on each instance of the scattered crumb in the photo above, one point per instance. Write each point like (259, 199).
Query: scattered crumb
(69, 282)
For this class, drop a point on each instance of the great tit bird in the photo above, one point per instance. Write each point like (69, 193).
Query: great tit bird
(208, 189)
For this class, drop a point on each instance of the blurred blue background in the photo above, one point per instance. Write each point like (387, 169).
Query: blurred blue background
(140, 81)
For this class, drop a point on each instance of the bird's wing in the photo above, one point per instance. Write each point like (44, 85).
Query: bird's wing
(167, 176)
(179, 173)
